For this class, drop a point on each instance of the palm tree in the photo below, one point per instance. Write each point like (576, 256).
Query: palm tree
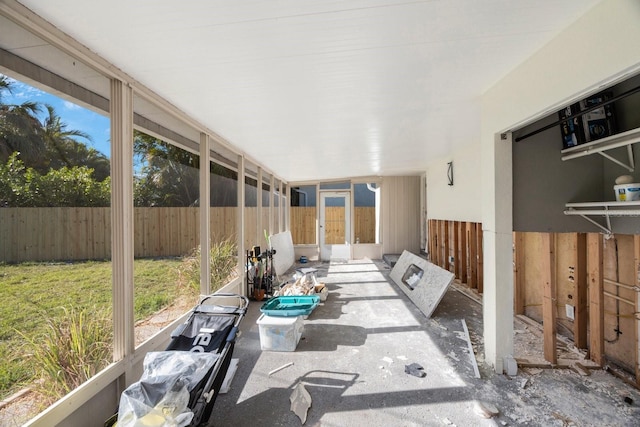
(169, 174)
(59, 140)
(19, 128)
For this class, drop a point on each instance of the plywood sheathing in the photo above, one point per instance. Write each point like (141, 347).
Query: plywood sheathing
(567, 270)
(518, 273)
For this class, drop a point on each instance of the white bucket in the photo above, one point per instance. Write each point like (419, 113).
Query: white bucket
(627, 192)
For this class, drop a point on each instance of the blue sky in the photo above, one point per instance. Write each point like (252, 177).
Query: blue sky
(73, 115)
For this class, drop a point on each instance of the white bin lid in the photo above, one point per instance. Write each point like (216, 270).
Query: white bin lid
(276, 320)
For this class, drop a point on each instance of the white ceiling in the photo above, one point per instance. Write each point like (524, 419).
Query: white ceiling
(321, 89)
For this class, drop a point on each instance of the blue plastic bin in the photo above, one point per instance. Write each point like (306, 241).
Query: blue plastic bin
(288, 306)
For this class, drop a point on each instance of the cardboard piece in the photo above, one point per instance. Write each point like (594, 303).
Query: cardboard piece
(424, 283)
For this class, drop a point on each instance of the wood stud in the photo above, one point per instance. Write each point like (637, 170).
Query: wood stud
(581, 292)
(596, 297)
(518, 273)
(549, 298)
(473, 255)
(636, 267)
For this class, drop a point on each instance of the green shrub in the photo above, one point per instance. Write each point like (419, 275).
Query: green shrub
(73, 348)
(223, 262)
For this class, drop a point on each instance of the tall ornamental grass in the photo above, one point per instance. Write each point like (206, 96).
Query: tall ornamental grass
(223, 261)
(73, 348)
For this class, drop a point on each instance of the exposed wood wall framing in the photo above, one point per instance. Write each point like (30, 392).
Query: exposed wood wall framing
(549, 291)
(636, 267)
(456, 246)
(585, 287)
(596, 297)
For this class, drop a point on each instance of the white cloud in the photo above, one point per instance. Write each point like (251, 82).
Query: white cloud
(70, 105)
(22, 91)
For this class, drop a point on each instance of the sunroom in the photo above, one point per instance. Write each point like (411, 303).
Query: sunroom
(363, 129)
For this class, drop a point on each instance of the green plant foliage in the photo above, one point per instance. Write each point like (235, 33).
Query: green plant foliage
(75, 346)
(169, 176)
(69, 186)
(35, 292)
(43, 163)
(223, 262)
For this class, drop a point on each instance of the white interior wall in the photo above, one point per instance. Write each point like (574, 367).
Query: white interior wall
(601, 47)
(461, 201)
(400, 214)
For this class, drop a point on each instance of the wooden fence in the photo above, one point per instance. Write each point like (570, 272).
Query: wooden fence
(57, 234)
(54, 234)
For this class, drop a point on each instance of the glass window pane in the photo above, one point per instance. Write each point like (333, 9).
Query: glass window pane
(276, 207)
(224, 208)
(303, 215)
(335, 186)
(334, 223)
(166, 227)
(266, 202)
(250, 211)
(365, 212)
(55, 251)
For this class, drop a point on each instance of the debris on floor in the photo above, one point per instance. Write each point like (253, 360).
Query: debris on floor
(486, 410)
(286, 365)
(415, 369)
(300, 402)
(472, 355)
(231, 371)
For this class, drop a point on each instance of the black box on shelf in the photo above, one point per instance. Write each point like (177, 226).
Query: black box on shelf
(600, 122)
(571, 129)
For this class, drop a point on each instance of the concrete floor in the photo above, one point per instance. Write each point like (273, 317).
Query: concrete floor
(352, 359)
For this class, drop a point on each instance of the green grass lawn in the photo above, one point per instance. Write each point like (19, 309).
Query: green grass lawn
(33, 292)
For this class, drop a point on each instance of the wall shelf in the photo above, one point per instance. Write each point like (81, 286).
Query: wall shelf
(624, 139)
(603, 209)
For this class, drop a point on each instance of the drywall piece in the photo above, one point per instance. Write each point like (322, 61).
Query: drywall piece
(510, 366)
(300, 402)
(231, 372)
(284, 256)
(424, 283)
(472, 355)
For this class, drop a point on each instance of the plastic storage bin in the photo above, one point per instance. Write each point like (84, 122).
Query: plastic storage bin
(280, 333)
(289, 306)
